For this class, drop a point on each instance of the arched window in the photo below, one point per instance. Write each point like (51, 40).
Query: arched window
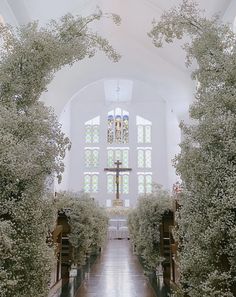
(144, 157)
(118, 126)
(123, 183)
(91, 156)
(144, 183)
(92, 130)
(118, 153)
(144, 130)
(91, 182)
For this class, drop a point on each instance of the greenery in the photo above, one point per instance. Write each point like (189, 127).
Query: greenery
(144, 226)
(207, 162)
(88, 223)
(32, 146)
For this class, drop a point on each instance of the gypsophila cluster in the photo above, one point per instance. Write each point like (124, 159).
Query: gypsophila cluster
(32, 146)
(207, 162)
(144, 226)
(88, 224)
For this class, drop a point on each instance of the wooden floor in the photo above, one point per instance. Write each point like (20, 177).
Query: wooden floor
(117, 273)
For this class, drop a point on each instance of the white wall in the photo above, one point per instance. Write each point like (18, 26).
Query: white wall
(173, 141)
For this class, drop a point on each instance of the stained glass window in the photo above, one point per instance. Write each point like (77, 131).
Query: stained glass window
(92, 130)
(87, 182)
(125, 158)
(110, 158)
(144, 128)
(140, 158)
(110, 128)
(91, 158)
(121, 154)
(110, 183)
(123, 184)
(118, 155)
(118, 127)
(125, 128)
(95, 134)
(95, 155)
(87, 158)
(144, 157)
(91, 182)
(140, 134)
(147, 134)
(144, 183)
(148, 184)
(88, 133)
(141, 184)
(148, 158)
(94, 185)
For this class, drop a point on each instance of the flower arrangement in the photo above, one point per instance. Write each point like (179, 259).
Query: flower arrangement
(144, 222)
(32, 146)
(206, 164)
(88, 223)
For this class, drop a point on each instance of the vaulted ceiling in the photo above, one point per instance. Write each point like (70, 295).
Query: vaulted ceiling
(162, 69)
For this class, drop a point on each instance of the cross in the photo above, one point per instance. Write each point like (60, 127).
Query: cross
(117, 170)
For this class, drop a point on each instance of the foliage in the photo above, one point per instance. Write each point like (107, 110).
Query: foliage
(23, 249)
(144, 226)
(32, 147)
(207, 162)
(88, 223)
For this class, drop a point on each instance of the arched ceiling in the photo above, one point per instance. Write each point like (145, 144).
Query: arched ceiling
(163, 68)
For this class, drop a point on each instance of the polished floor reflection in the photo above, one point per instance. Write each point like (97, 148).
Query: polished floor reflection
(117, 273)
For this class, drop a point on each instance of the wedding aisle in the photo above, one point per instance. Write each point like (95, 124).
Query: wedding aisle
(117, 273)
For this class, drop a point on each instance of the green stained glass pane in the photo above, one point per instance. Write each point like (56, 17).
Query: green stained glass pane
(140, 184)
(148, 184)
(95, 134)
(147, 134)
(87, 158)
(118, 155)
(95, 158)
(125, 183)
(125, 159)
(110, 159)
(87, 182)
(94, 183)
(140, 134)
(140, 158)
(110, 184)
(88, 134)
(148, 158)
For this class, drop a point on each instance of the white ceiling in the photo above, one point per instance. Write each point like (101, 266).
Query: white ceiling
(162, 69)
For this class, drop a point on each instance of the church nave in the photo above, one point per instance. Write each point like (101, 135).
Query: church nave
(117, 273)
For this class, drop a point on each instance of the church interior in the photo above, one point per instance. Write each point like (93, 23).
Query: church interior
(106, 191)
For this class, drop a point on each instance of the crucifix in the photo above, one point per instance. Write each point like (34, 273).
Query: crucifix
(117, 170)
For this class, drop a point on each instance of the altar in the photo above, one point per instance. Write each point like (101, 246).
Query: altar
(118, 229)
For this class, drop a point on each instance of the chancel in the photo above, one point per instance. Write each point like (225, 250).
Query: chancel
(117, 170)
